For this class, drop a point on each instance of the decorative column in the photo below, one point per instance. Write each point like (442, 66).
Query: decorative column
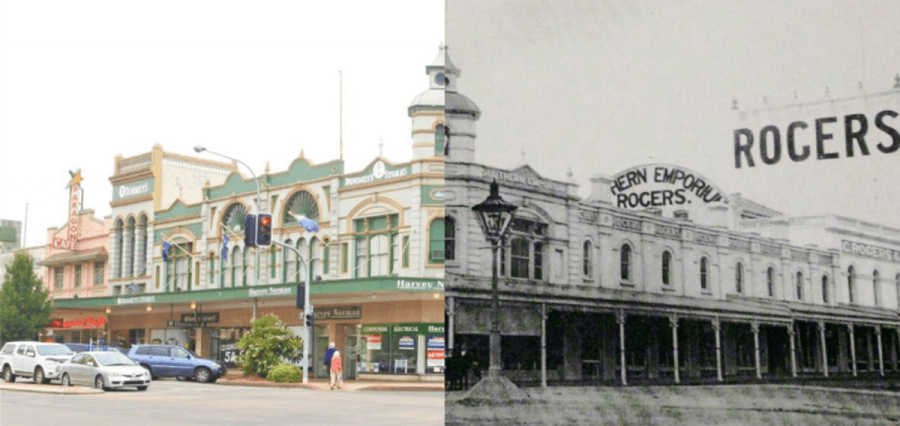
(754, 327)
(716, 325)
(790, 330)
(880, 352)
(620, 319)
(821, 325)
(852, 349)
(451, 313)
(673, 322)
(543, 345)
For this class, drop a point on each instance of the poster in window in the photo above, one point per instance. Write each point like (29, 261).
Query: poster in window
(435, 353)
(407, 343)
(373, 342)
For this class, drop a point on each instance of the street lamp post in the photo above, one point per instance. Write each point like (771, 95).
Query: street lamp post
(307, 310)
(494, 217)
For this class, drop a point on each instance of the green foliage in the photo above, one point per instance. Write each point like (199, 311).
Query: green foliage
(24, 305)
(267, 344)
(285, 373)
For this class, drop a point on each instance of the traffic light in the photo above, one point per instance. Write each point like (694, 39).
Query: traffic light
(301, 296)
(310, 319)
(264, 229)
(250, 230)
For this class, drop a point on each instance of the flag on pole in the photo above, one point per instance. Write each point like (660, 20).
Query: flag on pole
(225, 248)
(166, 247)
(308, 224)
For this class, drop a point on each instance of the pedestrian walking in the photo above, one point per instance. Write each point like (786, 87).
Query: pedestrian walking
(337, 369)
(328, 354)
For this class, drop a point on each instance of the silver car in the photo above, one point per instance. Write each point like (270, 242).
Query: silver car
(104, 370)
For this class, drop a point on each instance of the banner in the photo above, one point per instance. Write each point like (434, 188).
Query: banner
(373, 342)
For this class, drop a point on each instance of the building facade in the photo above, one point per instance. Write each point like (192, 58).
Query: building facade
(660, 276)
(375, 266)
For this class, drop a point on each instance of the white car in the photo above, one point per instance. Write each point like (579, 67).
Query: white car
(36, 360)
(104, 370)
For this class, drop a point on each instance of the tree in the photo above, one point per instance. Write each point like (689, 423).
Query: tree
(268, 344)
(24, 305)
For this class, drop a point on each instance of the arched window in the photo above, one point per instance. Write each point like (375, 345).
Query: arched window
(316, 257)
(288, 259)
(301, 203)
(439, 140)
(876, 287)
(799, 285)
(436, 234)
(587, 259)
(851, 284)
(739, 277)
(825, 288)
(446, 135)
(666, 267)
(625, 262)
(130, 233)
(704, 273)
(142, 246)
(519, 257)
(233, 218)
(117, 249)
(770, 281)
(449, 238)
(235, 265)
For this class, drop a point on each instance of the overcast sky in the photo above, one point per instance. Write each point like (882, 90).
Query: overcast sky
(603, 85)
(83, 81)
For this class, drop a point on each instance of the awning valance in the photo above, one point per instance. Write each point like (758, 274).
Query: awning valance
(91, 255)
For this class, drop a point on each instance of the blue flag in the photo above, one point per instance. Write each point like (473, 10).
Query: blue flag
(308, 224)
(225, 248)
(165, 251)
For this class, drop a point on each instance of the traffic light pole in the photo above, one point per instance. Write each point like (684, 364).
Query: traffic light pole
(307, 311)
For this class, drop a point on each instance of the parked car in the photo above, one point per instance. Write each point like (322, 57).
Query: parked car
(104, 370)
(175, 361)
(84, 347)
(36, 360)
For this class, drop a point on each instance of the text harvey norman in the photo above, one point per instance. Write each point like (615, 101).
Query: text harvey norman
(420, 285)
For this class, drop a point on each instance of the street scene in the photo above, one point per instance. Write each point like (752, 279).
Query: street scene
(173, 402)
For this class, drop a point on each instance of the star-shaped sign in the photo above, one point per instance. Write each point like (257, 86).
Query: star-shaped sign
(76, 178)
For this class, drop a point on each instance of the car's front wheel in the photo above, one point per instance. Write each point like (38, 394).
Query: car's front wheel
(8, 375)
(39, 376)
(202, 374)
(66, 381)
(98, 382)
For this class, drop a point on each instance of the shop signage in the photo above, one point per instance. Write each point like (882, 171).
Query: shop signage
(379, 172)
(89, 322)
(420, 285)
(373, 342)
(409, 328)
(133, 300)
(338, 313)
(270, 291)
(435, 352)
(662, 185)
(73, 226)
(200, 317)
(187, 324)
(407, 343)
(866, 250)
(132, 189)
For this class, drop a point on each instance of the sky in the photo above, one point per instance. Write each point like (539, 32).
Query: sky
(599, 86)
(81, 82)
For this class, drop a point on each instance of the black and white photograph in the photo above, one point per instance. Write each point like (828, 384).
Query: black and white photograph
(672, 212)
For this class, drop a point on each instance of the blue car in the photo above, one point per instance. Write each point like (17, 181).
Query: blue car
(84, 347)
(175, 361)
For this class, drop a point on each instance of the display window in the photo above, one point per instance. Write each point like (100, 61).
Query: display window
(401, 349)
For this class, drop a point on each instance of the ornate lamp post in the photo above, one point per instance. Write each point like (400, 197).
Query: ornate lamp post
(494, 216)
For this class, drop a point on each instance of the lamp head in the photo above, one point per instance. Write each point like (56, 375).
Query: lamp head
(198, 148)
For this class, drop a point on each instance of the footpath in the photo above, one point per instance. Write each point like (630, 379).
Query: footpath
(237, 378)
(51, 388)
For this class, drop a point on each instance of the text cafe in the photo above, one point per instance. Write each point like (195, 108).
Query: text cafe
(401, 349)
(82, 329)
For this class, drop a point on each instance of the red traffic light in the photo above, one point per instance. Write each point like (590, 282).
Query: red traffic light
(265, 220)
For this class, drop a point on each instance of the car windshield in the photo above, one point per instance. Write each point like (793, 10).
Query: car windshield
(112, 358)
(53, 350)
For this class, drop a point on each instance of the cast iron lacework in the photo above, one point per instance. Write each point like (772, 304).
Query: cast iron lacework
(234, 217)
(301, 204)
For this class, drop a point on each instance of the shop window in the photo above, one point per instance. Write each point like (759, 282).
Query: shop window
(770, 281)
(587, 259)
(666, 267)
(739, 278)
(799, 285)
(98, 273)
(436, 235)
(539, 260)
(625, 262)
(379, 257)
(449, 238)
(375, 251)
(876, 287)
(704, 273)
(851, 284)
(825, 288)
(77, 276)
(519, 257)
(362, 257)
(58, 278)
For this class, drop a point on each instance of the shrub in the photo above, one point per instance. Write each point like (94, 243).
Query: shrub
(285, 373)
(266, 345)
